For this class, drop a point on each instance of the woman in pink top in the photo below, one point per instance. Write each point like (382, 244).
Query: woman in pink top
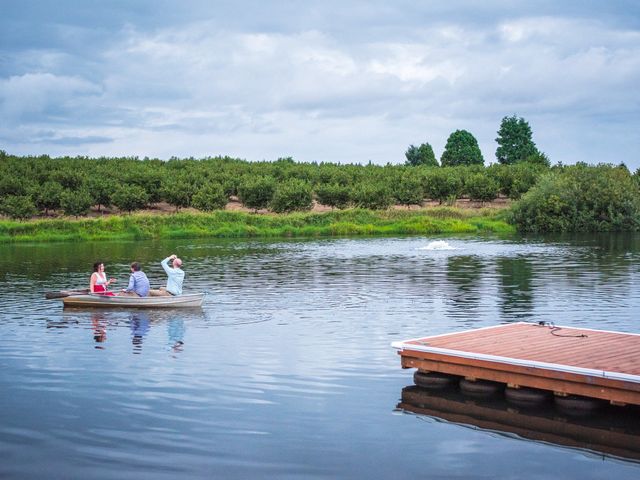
(99, 283)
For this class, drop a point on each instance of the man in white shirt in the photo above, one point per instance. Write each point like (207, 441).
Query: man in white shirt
(175, 277)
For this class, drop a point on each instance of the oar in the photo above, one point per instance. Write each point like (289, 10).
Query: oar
(65, 293)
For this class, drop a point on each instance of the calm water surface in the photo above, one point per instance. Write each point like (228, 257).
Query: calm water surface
(287, 371)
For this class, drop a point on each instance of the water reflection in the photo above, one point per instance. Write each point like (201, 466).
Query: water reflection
(613, 432)
(99, 329)
(516, 287)
(104, 325)
(139, 323)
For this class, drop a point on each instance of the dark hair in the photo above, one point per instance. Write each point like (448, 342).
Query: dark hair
(135, 266)
(96, 266)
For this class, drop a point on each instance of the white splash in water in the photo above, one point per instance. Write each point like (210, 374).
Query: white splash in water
(438, 245)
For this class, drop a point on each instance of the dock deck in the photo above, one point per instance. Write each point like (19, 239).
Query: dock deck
(568, 361)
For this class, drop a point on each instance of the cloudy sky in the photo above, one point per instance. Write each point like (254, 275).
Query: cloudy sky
(339, 81)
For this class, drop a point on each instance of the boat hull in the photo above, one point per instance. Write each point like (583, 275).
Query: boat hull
(102, 301)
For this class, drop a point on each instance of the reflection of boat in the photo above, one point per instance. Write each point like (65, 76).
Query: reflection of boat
(103, 301)
(615, 432)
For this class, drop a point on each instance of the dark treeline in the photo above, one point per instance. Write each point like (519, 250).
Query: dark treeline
(551, 198)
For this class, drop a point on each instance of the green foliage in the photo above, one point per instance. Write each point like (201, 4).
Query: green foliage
(461, 149)
(580, 199)
(48, 196)
(481, 188)
(374, 196)
(408, 189)
(333, 195)
(101, 189)
(256, 192)
(19, 207)
(538, 158)
(75, 202)
(514, 141)
(178, 192)
(69, 178)
(130, 197)
(292, 195)
(514, 180)
(442, 184)
(210, 197)
(422, 155)
(239, 224)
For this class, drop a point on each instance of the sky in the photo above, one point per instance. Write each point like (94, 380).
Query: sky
(318, 81)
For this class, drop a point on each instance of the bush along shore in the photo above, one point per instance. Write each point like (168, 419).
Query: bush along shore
(226, 224)
(577, 198)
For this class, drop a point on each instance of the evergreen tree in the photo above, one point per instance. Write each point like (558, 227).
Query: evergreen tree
(461, 149)
(422, 155)
(514, 141)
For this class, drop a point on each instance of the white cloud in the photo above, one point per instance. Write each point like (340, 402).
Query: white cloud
(318, 93)
(37, 93)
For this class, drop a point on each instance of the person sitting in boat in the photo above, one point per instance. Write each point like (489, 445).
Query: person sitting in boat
(175, 277)
(98, 282)
(138, 283)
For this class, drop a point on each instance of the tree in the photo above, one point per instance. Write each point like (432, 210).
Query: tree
(48, 196)
(514, 141)
(130, 197)
(442, 184)
(178, 192)
(481, 187)
(256, 192)
(210, 197)
(374, 196)
(19, 207)
(461, 149)
(291, 195)
(422, 155)
(408, 190)
(333, 195)
(75, 202)
(101, 189)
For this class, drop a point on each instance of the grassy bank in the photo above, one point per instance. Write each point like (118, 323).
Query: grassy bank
(239, 224)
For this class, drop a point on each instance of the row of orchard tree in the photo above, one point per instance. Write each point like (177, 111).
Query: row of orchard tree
(31, 186)
(515, 144)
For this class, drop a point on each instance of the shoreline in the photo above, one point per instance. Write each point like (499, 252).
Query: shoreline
(239, 224)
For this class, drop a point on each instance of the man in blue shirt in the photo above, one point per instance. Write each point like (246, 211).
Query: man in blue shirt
(138, 282)
(175, 277)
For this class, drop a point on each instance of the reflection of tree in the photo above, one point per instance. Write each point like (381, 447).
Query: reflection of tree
(516, 291)
(466, 274)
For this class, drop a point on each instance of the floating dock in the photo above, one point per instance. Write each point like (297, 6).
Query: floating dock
(567, 361)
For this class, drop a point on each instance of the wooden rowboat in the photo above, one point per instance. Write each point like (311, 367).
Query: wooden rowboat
(104, 301)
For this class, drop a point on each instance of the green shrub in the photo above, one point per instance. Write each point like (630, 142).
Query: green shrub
(292, 195)
(130, 197)
(374, 196)
(333, 195)
(48, 196)
(442, 184)
(580, 199)
(256, 192)
(75, 202)
(210, 197)
(19, 207)
(178, 192)
(408, 189)
(481, 188)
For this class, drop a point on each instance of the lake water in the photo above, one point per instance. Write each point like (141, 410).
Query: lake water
(287, 371)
